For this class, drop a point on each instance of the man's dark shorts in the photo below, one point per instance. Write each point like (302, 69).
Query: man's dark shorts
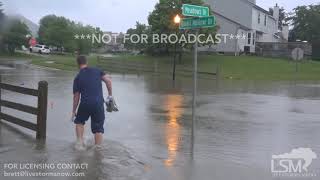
(96, 112)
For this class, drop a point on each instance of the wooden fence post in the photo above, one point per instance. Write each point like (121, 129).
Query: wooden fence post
(42, 110)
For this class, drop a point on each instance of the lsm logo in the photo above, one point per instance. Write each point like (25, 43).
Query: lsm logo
(293, 164)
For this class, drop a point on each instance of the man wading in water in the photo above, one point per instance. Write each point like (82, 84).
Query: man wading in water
(88, 86)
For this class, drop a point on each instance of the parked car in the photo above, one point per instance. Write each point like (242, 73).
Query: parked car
(42, 49)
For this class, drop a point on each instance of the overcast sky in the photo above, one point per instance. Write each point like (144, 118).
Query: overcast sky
(110, 15)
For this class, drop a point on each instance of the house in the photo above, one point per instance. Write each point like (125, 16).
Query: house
(114, 44)
(247, 19)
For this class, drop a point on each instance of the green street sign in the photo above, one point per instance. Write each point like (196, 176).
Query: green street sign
(195, 11)
(202, 22)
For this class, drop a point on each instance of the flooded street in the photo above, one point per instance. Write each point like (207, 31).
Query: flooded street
(239, 126)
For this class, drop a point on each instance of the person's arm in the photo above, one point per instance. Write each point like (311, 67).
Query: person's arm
(76, 99)
(76, 96)
(107, 81)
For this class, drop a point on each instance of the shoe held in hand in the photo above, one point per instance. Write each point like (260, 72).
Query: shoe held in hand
(111, 104)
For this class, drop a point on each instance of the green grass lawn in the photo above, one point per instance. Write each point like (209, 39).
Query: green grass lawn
(60, 62)
(244, 67)
(230, 67)
(251, 67)
(63, 62)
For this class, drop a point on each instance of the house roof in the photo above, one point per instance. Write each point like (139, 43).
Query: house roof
(235, 22)
(261, 9)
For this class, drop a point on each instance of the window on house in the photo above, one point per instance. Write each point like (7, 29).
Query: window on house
(254, 38)
(259, 18)
(249, 38)
(265, 20)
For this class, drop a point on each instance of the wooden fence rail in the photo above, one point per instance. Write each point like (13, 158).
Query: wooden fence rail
(40, 111)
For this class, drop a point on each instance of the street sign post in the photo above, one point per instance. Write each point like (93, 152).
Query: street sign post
(194, 94)
(195, 11)
(202, 22)
(297, 55)
(200, 19)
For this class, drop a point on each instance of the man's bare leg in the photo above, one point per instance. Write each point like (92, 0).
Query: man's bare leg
(79, 133)
(98, 138)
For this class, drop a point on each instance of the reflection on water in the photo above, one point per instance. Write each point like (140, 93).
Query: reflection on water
(173, 105)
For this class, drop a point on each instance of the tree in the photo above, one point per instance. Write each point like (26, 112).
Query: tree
(84, 46)
(15, 35)
(306, 23)
(2, 17)
(161, 22)
(55, 31)
(139, 30)
(60, 32)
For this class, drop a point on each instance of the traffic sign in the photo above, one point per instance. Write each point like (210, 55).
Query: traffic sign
(195, 11)
(297, 54)
(202, 22)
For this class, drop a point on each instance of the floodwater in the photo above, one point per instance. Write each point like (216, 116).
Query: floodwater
(239, 126)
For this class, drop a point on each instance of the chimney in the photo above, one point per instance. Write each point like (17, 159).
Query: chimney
(285, 32)
(276, 13)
